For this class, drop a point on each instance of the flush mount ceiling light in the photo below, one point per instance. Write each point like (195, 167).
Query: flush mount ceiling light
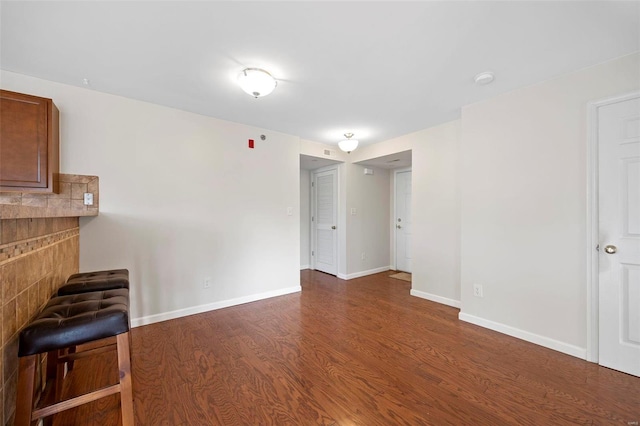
(484, 78)
(348, 144)
(256, 82)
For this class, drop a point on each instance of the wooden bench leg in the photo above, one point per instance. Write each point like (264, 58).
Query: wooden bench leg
(26, 383)
(126, 392)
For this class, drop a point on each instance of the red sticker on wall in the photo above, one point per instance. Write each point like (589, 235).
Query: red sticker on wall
(251, 143)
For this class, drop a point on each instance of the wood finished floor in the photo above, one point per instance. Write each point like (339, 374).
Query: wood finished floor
(362, 352)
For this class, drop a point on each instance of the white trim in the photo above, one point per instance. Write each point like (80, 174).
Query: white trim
(592, 234)
(525, 335)
(150, 319)
(305, 267)
(435, 298)
(363, 273)
(394, 230)
(593, 221)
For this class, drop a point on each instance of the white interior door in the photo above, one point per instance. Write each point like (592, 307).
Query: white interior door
(619, 235)
(324, 221)
(403, 221)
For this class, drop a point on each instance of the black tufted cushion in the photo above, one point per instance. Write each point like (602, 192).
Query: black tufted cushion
(76, 319)
(95, 281)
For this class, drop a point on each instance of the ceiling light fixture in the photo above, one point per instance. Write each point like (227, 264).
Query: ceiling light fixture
(348, 144)
(256, 82)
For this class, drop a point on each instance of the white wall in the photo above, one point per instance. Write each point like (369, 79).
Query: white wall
(316, 149)
(523, 178)
(435, 208)
(182, 199)
(436, 212)
(368, 230)
(305, 215)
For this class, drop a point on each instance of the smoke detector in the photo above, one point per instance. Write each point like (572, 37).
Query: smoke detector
(484, 78)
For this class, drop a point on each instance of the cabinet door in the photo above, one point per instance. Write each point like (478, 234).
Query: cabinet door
(28, 143)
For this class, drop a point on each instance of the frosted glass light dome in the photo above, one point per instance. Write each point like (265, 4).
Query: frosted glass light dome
(256, 82)
(348, 144)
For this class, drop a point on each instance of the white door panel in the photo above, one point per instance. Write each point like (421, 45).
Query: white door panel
(403, 221)
(325, 217)
(619, 235)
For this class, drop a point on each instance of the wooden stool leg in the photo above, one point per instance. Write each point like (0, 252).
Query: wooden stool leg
(126, 392)
(52, 365)
(59, 378)
(52, 377)
(26, 382)
(130, 351)
(55, 373)
(71, 350)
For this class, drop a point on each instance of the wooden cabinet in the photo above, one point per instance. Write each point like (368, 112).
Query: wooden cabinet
(29, 143)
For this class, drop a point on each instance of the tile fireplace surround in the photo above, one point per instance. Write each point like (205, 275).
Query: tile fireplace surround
(39, 249)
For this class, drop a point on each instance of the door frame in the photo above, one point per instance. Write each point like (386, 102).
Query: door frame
(394, 240)
(593, 231)
(312, 214)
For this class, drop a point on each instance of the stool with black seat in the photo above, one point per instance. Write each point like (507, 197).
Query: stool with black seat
(68, 321)
(95, 281)
(85, 282)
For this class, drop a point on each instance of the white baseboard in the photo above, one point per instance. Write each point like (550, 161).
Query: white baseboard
(525, 335)
(150, 319)
(435, 298)
(363, 273)
(305, 267)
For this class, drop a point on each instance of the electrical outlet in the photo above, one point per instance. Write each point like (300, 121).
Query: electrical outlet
(88, 199)
(364, 256)
(206, 283)
(477, 290)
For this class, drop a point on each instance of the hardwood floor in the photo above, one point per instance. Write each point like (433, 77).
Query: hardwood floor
(358, 352)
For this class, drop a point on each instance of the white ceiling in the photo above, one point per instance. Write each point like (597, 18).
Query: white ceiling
(377, 69)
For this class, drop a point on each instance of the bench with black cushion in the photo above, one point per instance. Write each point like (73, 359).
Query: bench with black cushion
(68, 321)
(95, 281)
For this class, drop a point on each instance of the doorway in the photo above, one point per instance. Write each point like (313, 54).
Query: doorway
(324, 220)
(614, 234)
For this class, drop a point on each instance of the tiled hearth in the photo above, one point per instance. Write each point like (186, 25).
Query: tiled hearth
(39, 249)
(37, 266)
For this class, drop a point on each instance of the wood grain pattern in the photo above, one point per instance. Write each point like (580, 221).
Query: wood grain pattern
(358, 352)
(29, 142)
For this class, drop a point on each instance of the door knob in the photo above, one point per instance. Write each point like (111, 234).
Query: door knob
(610, 249)
(398, 226)
(333, 227)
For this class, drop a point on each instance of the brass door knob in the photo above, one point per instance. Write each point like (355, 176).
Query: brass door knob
(398, 226)
(610, 249)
